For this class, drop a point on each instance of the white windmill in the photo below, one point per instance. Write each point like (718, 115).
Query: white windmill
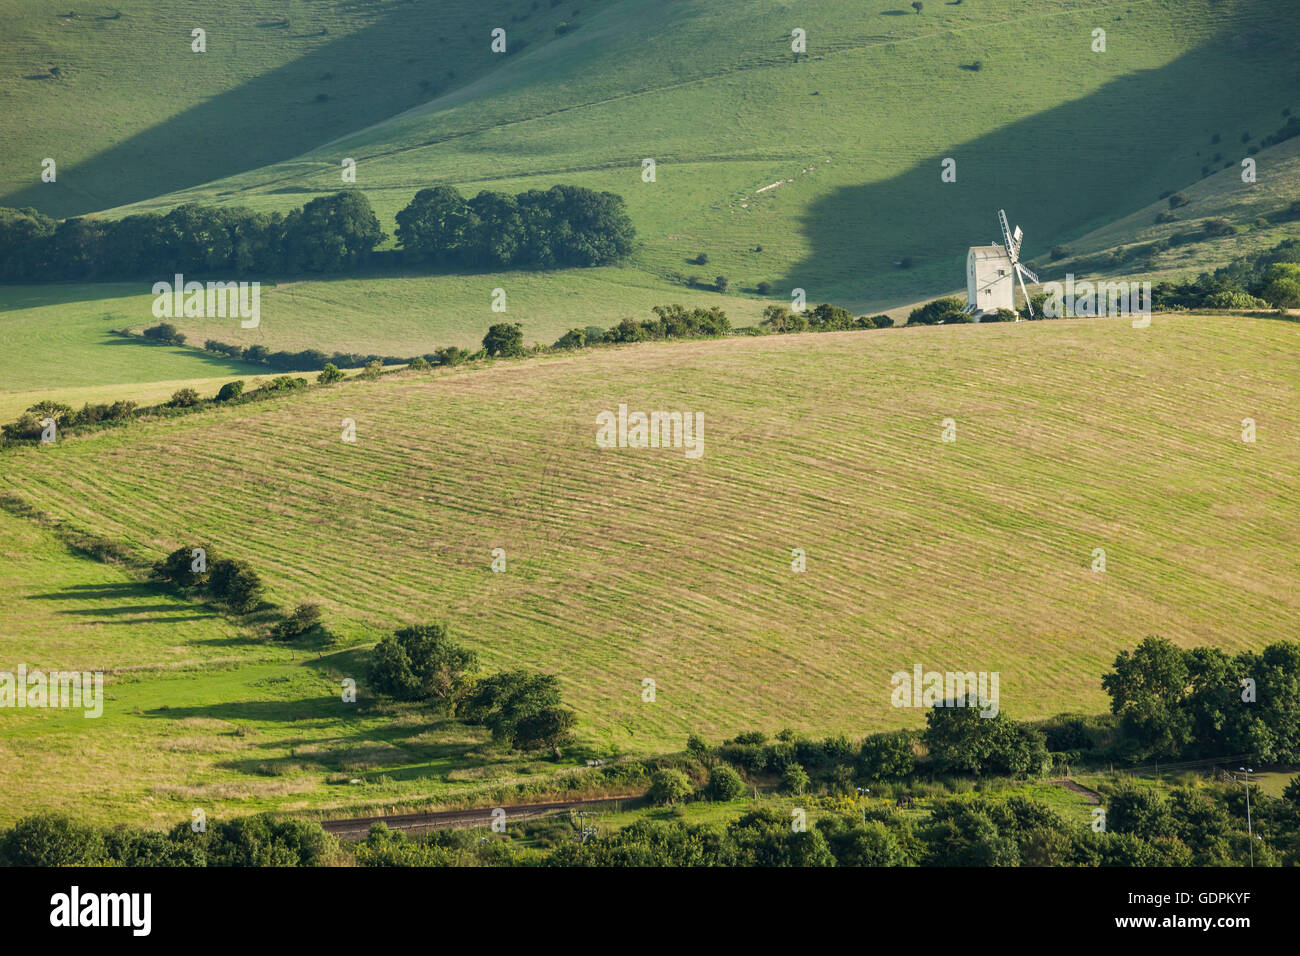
(992, 272)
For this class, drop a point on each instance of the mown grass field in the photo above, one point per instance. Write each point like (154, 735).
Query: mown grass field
(627, 564)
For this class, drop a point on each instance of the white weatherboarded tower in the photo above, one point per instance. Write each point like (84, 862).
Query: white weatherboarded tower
(992, 272)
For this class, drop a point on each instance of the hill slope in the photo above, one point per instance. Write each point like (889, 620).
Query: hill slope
(133, 110)
(1065, 138)
(1077, 145)
(627, 564)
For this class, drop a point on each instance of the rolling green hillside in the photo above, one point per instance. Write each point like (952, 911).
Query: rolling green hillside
(134, 111)
(1066, 139)
(1077, 145)
(625, 564)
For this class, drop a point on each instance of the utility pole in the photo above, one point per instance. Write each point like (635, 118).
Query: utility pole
(862, 802)
(1250, 833)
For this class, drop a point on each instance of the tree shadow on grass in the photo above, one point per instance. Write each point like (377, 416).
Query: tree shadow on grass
(393, 750)
(98, 592)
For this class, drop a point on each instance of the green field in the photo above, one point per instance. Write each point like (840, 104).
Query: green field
(199, 712)
(134, 111)
(625, 564)
(1066, 139)
(819, 172)
(1076, 145)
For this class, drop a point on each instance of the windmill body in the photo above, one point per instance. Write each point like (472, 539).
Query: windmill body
(990, 280)
(992, 272)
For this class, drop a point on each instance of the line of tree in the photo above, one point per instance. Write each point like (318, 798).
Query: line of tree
(328, 234)
(560, 226)
(1167, 704)
(30, 425)
(1173, 703)
(194, 571)
(1270, 278)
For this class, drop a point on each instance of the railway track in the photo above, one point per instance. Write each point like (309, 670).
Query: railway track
(359, 827)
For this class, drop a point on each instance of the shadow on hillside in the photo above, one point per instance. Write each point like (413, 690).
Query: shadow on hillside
(42, 295)
(1123, 144)
(99, 592)
(373, 749)
(324, 709)
(221, 364)
(196, 146)
(132, 591)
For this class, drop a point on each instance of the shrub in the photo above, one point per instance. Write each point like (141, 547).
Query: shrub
(1178, 199)
(1234, 300)
(372, 370)
(961, 739)
(668, 786)
(329, 374)
(517, 706)
(1001, 315)
(230, 391)
(547, 727)
(794, 780)
(183, 567)
(572, 339)
(886, 756)
(283, 383)
(724, 783)
(1166, 216)
(721, 283)
(939, 311)
(1282, 285)
(304, 619)
(423, 662)
(51, 839)
(830, 318)
(234, 584)
(505, 339)
(1058, 252)
(764, 288)
(780, 319)
(418, 364)
(164, 332)
(702, 259)
(697, 746)
(184, 398)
